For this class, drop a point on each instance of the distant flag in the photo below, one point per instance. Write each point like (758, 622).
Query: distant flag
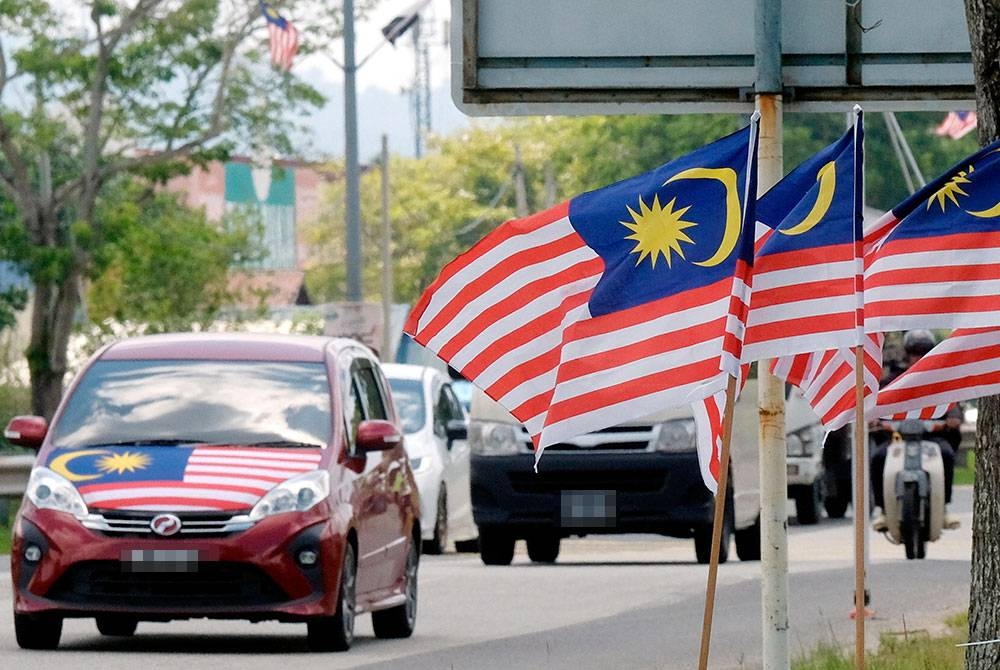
(807, 271)
(284, 37)
(956, 125)
(608, 307)
(963, 366)
(936, 263)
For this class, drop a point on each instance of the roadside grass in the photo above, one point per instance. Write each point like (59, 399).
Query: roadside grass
(4, 538)
(967, 474)
(899, 650)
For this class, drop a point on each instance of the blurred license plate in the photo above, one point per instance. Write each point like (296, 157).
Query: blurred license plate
(160, 560)
(588, 509)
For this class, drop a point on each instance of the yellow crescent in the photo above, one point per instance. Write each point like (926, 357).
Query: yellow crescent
(987, 213)
(734, 219)
(827, 178)
(60, 464)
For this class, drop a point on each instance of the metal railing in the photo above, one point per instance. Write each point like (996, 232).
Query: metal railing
(14, 471)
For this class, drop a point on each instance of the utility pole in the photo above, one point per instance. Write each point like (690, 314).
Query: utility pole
(386, 257)
(352, 171)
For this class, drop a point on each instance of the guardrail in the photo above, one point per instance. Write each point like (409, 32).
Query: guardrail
(14, 471)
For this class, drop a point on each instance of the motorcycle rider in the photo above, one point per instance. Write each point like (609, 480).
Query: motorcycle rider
(946, 432)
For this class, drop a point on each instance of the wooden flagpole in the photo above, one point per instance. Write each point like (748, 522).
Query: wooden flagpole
(720, 511)
(859, 507)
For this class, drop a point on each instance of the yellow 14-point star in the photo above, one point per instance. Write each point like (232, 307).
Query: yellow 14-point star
(658, 230)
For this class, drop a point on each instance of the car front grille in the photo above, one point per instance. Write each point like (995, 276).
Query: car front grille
(212, 584)
(137, 524)
(556, 481)
(614, 439)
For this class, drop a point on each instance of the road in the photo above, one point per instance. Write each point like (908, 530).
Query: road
(612, 602)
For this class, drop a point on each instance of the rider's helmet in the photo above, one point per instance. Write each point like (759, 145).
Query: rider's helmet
(918, 342)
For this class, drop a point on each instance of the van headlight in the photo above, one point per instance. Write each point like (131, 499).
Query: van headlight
(490, 438)
(50, 490)
(676, 436)
(293, 495)
(801, 442)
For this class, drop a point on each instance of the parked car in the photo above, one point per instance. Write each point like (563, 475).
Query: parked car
(219, 476)
(435, 427)
(641, 476)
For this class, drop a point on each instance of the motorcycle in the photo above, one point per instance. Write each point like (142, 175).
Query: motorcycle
(913, 485)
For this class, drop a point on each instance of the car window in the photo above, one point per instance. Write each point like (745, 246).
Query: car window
(369, 391)
(463, 391)
(408, 394)
(221, 402)
(446, 409)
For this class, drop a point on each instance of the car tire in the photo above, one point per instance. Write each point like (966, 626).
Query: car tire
(836, 505)
(37, 632)
(748, 542)
(543, 548)
(116, 626)
(808, 499)
(703, 536)
(336, 633)
(399, 621)
(496, 546)
(467, 546)
(437, 544)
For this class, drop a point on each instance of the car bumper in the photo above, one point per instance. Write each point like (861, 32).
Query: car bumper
(254, 574)
(803, 471)
(584, 493)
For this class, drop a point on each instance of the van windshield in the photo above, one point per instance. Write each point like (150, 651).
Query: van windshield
(163, 402)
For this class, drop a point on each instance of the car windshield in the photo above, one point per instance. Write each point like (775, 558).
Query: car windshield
(164, 402)
(408, 394)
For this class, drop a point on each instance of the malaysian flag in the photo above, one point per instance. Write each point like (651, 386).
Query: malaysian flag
(956, 125)
(610, 306)
(936, 266)
(963, 366)
(179, 478)
(708, 418)
(807, 269)
(283, 36)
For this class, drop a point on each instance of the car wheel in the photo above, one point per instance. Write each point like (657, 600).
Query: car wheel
(117, 626)
(437, 544)
(543, 548)
(703, 536)
(496, 546)
(836, 506)
(807, 503)
(399, 621)
(37, 632)
(748, 542)
(467, 546)
(336, 633)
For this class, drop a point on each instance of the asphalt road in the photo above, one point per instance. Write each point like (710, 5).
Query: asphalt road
(612, 602)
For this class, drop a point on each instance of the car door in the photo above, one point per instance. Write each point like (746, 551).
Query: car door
(447, 409)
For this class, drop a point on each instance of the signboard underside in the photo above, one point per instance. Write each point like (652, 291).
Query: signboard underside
(593, 56)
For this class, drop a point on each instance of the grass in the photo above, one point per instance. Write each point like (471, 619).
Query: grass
(967, 474)
(901, 650)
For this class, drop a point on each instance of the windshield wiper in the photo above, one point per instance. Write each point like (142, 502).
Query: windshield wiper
(282, 443)
(154, 442)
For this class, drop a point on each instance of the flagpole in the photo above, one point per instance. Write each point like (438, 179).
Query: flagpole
(720, 512)
(859, 507)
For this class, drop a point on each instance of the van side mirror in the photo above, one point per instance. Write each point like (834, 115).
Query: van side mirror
(27, 431)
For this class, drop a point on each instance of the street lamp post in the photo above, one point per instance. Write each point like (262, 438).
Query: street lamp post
(352, 171)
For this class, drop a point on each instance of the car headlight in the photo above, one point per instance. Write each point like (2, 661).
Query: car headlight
(488, 438)
(49, 490)
(676, 436)
(793, 445)
(293, 495)
(801, 442)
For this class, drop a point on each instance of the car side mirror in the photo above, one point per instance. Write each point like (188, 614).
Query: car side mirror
(456, 429)
(27, 431)
(376, 435)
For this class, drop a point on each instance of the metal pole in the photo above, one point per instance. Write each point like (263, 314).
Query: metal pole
(352, 171)
(386, 257)
(771, 401)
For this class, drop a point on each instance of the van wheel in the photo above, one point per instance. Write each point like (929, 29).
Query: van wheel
(399, 621)
(543, 548)
(496, 545)
(37, 632)
(836, 505)
(703, 535)
(808, 499)
(336, 633)
(437, 544)
(748, 542)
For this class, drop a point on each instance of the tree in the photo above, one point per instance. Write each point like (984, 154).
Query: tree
(983, 17)
(141, 87)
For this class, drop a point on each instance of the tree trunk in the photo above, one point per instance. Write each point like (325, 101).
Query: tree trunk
(983, 17)
(51, 323)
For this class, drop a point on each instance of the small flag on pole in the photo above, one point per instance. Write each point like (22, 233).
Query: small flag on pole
(283, 35)
(957, 125)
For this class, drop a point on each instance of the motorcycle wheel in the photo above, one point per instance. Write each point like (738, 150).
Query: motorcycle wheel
(910, 527)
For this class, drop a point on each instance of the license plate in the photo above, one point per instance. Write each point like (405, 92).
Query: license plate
(160, 560)
(588, 509)
(792, 470)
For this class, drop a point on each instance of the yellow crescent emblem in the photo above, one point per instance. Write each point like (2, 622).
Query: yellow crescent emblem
(827, 178)
(990, 212)
(60, 464)
(734, 218)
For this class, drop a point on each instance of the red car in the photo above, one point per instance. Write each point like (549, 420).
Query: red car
(228, 476)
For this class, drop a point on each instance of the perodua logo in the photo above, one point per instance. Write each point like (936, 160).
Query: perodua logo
(165, 524)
